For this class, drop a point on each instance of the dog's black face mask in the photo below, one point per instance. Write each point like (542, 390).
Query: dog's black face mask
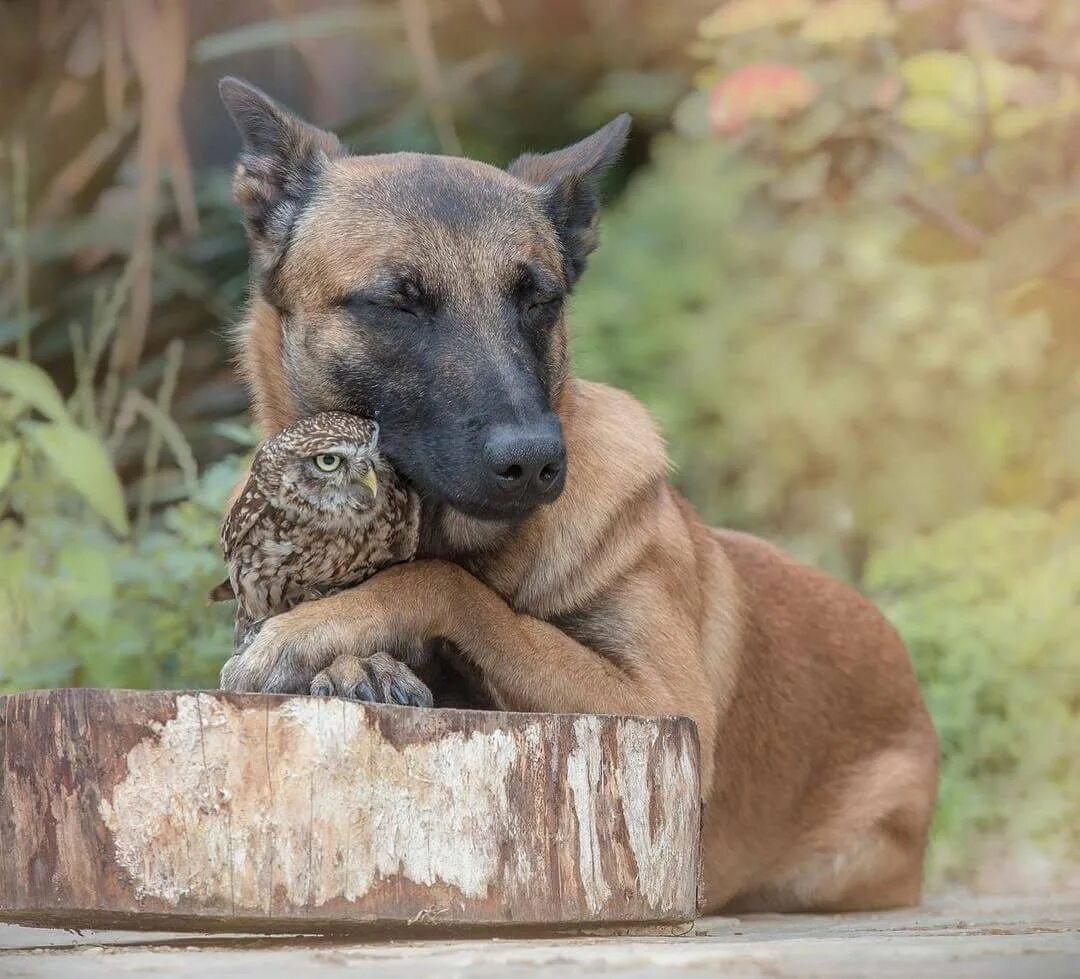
(426, 292)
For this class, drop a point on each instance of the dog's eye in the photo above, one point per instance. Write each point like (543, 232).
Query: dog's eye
(536, 292)
(543, 305)
(407, 297)
(408, 301)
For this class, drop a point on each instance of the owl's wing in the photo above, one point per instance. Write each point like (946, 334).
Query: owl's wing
(407, 537)
(242, 516)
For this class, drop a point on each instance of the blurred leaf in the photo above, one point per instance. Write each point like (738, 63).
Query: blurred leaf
(848, 21)
(9, 456)
(759, 91)
(287, 31)
(1025, 117)
(240, 434)
(807, 131)
(80, 459)
(802, 182)
(1029, 247)
(11, 329)
(742, 16)
(936, 115)
(29, 383)
(87, 572)
(942, 83)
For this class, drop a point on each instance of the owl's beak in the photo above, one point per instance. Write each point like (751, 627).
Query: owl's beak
(371, 481)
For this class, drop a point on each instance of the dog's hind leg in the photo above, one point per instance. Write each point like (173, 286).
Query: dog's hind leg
(868, 855)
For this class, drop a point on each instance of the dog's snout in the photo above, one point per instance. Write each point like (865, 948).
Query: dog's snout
(527, 460)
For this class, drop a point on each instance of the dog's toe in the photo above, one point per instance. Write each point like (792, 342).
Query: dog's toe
(322, 686)
(378, 679)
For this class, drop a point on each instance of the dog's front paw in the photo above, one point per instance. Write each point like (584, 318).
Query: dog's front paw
(290, 649)
(379, 679)
(281, 657)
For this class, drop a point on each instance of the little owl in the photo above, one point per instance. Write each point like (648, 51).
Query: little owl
(321, 510)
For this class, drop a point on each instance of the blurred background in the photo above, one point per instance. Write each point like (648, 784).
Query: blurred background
(840, 261)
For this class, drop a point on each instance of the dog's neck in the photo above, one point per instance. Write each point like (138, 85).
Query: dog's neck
(455, 536)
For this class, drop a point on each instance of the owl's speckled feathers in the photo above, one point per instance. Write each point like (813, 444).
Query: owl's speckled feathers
(321, 510)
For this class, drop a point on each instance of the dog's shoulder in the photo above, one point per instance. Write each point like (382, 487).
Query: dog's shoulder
(611, 436)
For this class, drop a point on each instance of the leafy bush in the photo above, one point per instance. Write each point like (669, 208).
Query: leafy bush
(990, 608)
(84, 602)
(86, 609)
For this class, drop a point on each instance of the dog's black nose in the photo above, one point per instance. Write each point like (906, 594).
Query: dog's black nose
(527, 460)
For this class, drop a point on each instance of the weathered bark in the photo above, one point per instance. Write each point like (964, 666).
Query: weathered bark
(222, 811)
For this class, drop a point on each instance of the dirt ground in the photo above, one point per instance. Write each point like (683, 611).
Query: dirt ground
(985, 938)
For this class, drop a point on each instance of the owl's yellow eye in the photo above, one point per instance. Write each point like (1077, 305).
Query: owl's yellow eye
(327, 462)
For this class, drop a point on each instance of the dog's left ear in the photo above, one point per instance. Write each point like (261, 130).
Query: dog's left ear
(570, 182)
(281, 159)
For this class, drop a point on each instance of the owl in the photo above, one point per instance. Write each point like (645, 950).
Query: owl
(321, 510)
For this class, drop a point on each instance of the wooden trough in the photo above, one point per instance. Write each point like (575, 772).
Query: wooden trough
(210, 812)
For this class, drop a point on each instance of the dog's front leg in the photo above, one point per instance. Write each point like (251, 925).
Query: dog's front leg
(526, 663)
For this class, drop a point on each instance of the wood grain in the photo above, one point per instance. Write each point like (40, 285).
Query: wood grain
(243, 811)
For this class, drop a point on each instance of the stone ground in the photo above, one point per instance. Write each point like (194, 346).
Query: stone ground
(982, 938)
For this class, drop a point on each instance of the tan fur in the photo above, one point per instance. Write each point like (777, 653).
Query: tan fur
(261, 358)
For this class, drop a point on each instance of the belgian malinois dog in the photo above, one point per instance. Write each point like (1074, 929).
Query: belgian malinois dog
(557, 561)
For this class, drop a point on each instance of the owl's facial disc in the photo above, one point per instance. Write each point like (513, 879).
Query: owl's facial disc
(336, 478)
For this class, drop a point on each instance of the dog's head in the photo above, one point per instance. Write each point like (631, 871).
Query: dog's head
(424, 291)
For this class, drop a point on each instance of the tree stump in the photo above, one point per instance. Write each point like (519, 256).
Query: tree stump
(214, 811)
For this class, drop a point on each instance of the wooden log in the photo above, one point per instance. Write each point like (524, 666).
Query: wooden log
(215, 811)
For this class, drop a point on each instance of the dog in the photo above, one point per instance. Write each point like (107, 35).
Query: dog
(556, 559)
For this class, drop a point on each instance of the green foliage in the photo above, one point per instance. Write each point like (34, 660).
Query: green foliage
(85, 608)
(83, 602)
(817, 384)
(79, 459)
(72, 455)
(990, 608)
(28, 383)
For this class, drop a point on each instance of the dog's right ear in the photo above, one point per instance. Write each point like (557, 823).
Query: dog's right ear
(569, 182)
(280, 161)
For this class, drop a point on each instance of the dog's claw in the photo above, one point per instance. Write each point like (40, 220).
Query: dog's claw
(378, 679)
(362, 691)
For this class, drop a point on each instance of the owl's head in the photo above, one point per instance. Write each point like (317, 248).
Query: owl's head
(328, 463)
